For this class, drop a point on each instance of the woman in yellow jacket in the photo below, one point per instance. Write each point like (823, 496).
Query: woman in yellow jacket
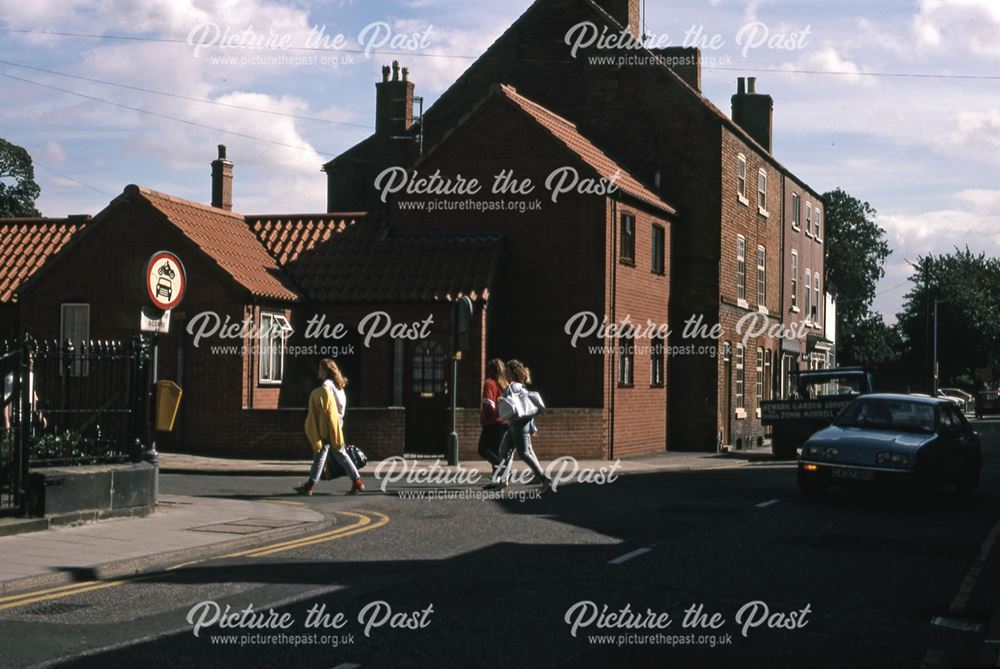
(324, 428)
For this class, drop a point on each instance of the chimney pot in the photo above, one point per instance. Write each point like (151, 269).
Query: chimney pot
(754, 112)
(393, 102)
(222, 151)
(741, 86)
(752, 85)
(395, 70)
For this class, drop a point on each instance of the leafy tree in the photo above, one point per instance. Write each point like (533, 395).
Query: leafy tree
(18, 190)
(966, 287)
(855, 255)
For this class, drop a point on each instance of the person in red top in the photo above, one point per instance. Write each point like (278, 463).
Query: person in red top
(489, 416)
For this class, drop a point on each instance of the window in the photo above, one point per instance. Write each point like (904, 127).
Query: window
(809, 219)
(759, 386)
(627, 252)
(659, 250)
(795, 280)
(741, 269)
(657, 359)
(762, 192)
(626, 361)
(796, 210)
(428, 369)
(818, 231)
(741, 179)
(815, 304)
(768, 385)
(74, 327)
(739, 376)
(808, 292)
(274, 328)
(761, 276)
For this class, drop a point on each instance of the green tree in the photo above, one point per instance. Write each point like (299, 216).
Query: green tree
(855, 256)
(18, 190)
(966, 287)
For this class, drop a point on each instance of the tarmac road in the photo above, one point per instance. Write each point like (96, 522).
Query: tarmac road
(859, 577)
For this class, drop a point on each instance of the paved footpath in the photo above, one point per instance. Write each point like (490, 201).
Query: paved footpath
(180, 463)
(182, 528)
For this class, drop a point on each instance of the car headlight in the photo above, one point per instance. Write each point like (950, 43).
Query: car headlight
(824, 452)
(898, 459)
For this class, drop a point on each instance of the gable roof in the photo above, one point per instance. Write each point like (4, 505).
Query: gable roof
(566, 133)
(352, 258)
(28, 243)
(224, 237)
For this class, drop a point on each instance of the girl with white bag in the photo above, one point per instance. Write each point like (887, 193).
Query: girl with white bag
(519, 407)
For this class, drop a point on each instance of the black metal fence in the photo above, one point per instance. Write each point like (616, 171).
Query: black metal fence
(70, 404)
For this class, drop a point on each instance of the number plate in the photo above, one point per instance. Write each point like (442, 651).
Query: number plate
(853, 474)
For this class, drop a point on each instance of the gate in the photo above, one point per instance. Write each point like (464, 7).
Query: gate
(70, 404)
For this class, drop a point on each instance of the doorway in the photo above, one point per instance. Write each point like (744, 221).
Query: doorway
(426, 398)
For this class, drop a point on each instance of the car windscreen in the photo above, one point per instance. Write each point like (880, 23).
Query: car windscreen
(831, 386)
(880, 414)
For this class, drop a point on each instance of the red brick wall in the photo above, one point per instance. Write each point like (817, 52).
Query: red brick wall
(811, 255)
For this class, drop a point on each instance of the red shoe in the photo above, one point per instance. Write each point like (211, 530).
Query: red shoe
(305, 489)
(359, 486)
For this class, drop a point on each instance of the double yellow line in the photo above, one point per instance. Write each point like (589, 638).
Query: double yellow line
(365, 521)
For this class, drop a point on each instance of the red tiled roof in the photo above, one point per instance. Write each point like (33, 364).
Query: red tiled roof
(351, 258)
(27, 243)
(225, 238)
(567, 133)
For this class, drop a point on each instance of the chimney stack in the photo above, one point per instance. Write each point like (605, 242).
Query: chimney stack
(626, 12)
(753, 111)
(685, 62)
(393, 102)
(222, 181)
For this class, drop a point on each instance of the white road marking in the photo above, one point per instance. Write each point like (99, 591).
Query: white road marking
(952, 624)
(628, 556)
(348, 665)
(975, 571)
(766, 504)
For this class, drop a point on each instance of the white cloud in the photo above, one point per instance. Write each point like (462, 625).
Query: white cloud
(958, 25)
(53, 152)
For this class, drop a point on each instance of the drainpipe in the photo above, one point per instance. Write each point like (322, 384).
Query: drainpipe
(613, 376)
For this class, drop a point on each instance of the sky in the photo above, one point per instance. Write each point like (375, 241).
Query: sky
(923, 150)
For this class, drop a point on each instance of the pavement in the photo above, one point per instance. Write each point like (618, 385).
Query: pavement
(182, 463)
(182, 528)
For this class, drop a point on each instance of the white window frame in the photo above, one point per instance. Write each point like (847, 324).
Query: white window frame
(796, 212)
(79, 367)
(738, 363)
(267, 349)
(809, 219)
(741, 270)
(795, 280)
(808, 293)
(761, 277)
(759, 381)
(816, 296)
(819, 227)
(762, 192)
(741, 180)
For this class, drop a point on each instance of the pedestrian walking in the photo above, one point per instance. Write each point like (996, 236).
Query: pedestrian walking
(518, 434)
(325, 428)
(493, 427)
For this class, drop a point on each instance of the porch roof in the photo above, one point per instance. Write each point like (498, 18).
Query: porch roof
(27, 243)
(352, 258)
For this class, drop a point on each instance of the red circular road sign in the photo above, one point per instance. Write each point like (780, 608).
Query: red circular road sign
(166, 280)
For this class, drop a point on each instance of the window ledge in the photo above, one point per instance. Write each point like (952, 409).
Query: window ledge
(796, 228)
(794, 309)
(742, 304)
(626, 385)
(268, 384)
(758, 412)
(657, 385)
(629, 262)
(741, 414)
(763, 309)
(819, 240)
(763, 212)
(745, 201)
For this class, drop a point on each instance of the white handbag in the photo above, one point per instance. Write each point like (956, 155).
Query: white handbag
(520, 406)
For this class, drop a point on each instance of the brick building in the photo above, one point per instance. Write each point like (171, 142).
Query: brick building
(733, 198)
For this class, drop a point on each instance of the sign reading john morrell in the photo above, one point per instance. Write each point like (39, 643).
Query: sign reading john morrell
(165, 280)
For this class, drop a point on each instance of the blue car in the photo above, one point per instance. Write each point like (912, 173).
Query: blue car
(922, 441)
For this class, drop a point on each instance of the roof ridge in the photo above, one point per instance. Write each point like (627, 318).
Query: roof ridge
(149, 192)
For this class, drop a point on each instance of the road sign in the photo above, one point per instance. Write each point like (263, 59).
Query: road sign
(154, 320)
(166, 280)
